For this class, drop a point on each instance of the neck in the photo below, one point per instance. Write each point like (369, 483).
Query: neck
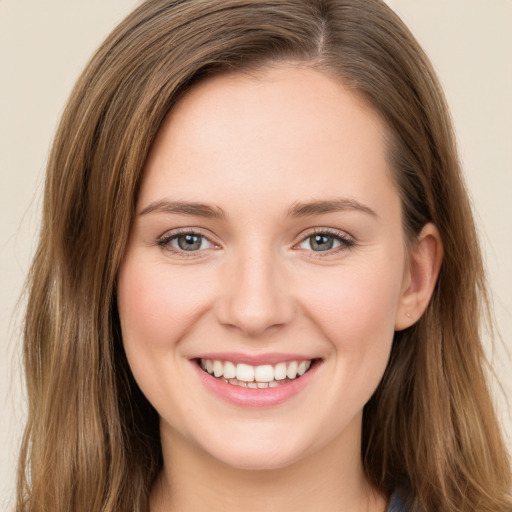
(331, 480)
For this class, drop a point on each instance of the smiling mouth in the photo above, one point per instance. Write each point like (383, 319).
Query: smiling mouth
(261, 376)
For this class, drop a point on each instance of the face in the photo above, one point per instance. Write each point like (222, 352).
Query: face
(262, 281)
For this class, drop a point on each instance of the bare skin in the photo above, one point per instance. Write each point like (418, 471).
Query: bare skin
(321, 482)
(280, 185)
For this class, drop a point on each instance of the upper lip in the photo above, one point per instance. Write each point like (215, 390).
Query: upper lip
(272, 358)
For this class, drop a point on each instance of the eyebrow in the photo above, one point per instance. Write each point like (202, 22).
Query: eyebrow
(184, 208)
(299, 209)
(334, 205)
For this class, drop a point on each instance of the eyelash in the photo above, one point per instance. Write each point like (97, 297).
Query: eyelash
(165, 242)
(346, 242)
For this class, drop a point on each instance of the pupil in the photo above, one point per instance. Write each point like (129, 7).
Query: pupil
(321, 242)
(189, 242)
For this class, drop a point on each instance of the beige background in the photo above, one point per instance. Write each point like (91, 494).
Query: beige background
(44, 46)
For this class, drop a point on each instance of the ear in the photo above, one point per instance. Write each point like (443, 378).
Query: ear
(420, 276)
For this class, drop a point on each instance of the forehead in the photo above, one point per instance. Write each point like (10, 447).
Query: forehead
(285, 132)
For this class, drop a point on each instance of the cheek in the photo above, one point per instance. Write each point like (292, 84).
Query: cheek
(156, 306)
(356, 307)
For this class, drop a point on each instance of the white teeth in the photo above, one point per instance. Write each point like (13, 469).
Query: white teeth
(280, 371)
(254, 385)
(261, 376)
(229, 370)
(264, 373)
(291, 371)
(244, 372)
(218, 368)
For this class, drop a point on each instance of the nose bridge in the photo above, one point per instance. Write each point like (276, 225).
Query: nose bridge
(256, 297)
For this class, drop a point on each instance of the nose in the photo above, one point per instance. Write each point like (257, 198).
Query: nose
(256, 296)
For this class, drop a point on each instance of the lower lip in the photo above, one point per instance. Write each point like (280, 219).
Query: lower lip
(261, 397)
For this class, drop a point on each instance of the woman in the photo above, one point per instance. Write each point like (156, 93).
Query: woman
(258, 283)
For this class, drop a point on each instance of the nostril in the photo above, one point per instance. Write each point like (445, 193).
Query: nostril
(254, 300)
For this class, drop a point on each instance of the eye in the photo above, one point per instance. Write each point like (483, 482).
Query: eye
(326, 241)
(185, 241)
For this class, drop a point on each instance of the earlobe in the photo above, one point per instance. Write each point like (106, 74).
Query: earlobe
(424, 262)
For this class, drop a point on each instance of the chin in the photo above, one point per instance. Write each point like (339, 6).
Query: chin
(258, 461)
(257, 453)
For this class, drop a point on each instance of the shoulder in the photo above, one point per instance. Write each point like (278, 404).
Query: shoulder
(397, 502)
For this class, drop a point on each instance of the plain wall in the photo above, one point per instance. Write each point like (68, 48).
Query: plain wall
(45, 45)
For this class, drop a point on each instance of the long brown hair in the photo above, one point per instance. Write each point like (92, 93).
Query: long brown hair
(91, 442)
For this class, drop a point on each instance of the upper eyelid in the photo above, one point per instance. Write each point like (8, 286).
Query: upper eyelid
(347, 241)
(170, 233)
(336, 233)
